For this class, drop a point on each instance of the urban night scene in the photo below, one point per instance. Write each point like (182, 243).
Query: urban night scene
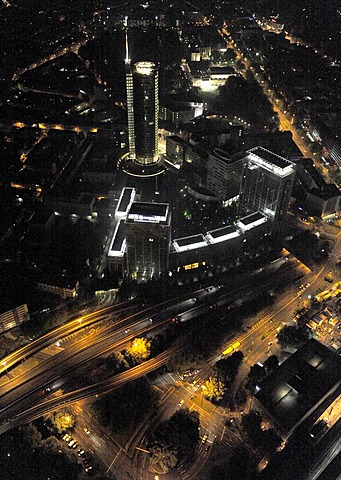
(170, 261)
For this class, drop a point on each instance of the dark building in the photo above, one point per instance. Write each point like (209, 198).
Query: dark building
(302, 389)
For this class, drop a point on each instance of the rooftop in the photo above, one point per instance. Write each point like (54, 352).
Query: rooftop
(296, 387)
(127, 196)
(220, 232)
(270, 157)
(117, 246)
(149, 212)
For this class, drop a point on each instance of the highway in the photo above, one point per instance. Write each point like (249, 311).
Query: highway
(253, 344)
(54, 335)
(54, 402)
(22, 391)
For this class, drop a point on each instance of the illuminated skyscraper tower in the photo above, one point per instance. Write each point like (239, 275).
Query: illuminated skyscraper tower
(143, 111)
(266, 185)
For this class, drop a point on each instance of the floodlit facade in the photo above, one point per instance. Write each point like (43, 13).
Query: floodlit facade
(143, 112)
(266, 185)
(13, 318)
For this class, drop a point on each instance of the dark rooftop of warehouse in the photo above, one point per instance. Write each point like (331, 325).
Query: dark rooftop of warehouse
(296, 387)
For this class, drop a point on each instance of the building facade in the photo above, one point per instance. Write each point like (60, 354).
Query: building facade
(224, 174)
(148, 236)
(143, 112)
(13, 318)
(266, 185)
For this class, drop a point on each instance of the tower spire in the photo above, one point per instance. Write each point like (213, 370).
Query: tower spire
(127, 59)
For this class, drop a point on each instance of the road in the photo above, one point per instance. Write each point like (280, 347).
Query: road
(51, 404)
(67, 329)
(253, 344)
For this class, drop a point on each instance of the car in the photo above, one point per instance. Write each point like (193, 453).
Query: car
(86, 431)
(318, 428)
(204, 439)
(80, 452)
(180, 403)
(270, 343)
(75, 445)
(46, 390)
(71, 443)
(87, 469)
(66, 437)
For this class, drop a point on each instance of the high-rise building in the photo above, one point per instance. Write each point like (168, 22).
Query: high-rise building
(143, 112)
(266, 185)
(148, 233)
(224, 174)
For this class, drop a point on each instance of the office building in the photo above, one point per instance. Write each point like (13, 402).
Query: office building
(148, 234)
(143, 112)
(224, 174)
(266, 185)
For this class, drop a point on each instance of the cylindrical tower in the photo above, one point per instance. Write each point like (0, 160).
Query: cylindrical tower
(143, 113)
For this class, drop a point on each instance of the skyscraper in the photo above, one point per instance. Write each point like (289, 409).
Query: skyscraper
(266, 185)
(143, 112)
(148, 233)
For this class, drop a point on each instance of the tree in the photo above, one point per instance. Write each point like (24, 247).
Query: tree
(30, 435)
(116, 363)
(185, 361)
(271, 363)
(251, 424)
(292, 337)
(270, 440)
(165, 456)
(63, 420)
(139, 349)
(180, 432)
(127, 406)
(226, 369)
(255, 374)
(214, 389)
(241, 396)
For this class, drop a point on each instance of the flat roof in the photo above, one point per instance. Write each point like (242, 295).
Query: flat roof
(292, 391)
(147, 209)
(224, 69)
(270, 157)
(253, 217)
(177, 139)
(118, 242)
(125, 199)
(182, 242)
(219, 232)
(149, 212)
